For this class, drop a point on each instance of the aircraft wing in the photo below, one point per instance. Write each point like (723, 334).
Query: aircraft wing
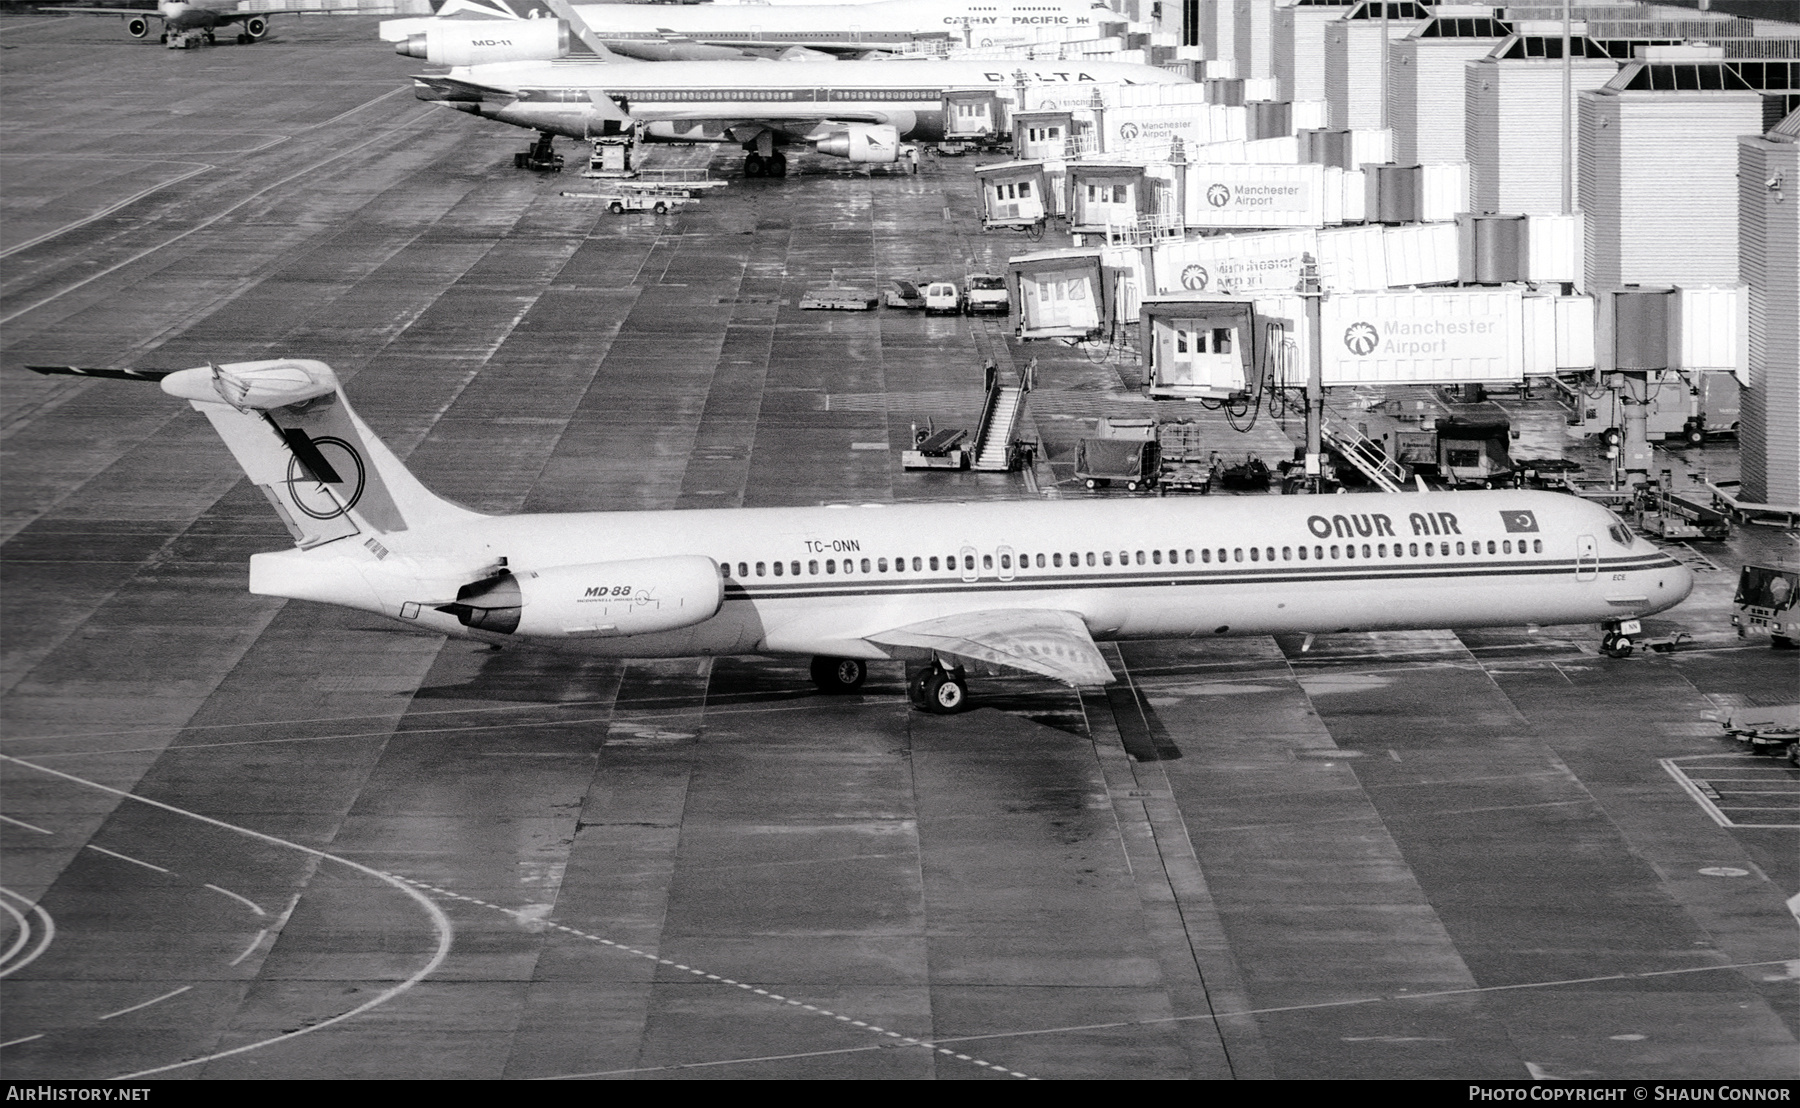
(1055, 644)
(146, 13)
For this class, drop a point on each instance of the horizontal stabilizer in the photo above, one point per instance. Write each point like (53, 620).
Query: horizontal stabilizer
(114, 374)
(1054, 644)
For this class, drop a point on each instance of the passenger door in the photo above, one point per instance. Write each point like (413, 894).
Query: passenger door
(1587, 558)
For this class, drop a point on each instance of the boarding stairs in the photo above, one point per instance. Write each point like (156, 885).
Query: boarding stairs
(1001, 417)
(1364, 453)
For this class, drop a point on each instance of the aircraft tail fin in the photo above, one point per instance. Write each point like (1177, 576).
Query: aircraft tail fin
(298, 440)
(578, 26)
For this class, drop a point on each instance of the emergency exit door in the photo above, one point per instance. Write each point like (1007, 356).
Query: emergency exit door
(1587, 558)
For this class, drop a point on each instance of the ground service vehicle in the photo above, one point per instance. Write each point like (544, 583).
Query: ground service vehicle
(1764, 603)
(987, 293)
(943, 296)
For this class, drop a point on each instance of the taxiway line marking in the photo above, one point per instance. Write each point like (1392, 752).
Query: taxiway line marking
(48, 930)
(126, 858)
(439, 921)
(208, 221)
(1435, 995)
(148, 1003)
(16, 1042)
(254, 943)
(34, 23)
(244, 900)
(104, 212)
(801, 1005)
(27, 826)
(24, 931)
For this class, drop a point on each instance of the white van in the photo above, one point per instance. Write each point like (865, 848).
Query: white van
(942, 296)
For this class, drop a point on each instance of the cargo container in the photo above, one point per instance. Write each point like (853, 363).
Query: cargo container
(1256, 196)
(1436, 336)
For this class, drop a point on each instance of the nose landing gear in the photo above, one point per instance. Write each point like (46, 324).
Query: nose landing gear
(1617, 635)
(939, 690)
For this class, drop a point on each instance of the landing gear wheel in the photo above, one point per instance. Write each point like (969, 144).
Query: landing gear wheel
(776, 164)
(945, 694)
(839, 675)
(244, 40)
(1092, 483)
(754, 166)
(209, 38)
(1618, 646)
(1131, 486)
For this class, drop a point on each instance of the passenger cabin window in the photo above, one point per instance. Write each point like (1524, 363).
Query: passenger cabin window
(812, 567)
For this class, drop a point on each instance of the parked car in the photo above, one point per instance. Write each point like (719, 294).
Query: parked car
(943, 296)
(987, 293)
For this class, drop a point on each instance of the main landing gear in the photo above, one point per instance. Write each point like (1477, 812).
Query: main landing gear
(542, 155)
(1617, 637)
(938, 690)
(757, 165)
(839, 675)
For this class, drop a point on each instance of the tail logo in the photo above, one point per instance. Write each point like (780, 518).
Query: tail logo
(312, 496)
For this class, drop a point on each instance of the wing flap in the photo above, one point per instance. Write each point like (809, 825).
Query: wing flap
(1055, 644)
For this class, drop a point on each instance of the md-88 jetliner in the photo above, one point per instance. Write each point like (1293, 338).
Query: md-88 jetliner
(1022, 586)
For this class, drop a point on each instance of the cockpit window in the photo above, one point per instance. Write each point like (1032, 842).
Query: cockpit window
(1620, 533)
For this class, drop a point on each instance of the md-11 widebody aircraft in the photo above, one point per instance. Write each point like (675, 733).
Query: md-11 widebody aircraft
(859, 110)
(186, 25)
(1025, 586)
(658, 32)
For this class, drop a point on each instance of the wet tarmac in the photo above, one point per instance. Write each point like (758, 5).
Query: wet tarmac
(250, 838)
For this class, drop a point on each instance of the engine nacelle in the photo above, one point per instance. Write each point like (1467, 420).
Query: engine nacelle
(862, 142)
(256, 26)
(603, 599)
(137, 27)
(478, 42)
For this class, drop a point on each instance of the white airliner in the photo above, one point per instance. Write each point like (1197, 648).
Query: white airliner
(1024, 586)
(658, 32)
(186, 24)
(860, 110)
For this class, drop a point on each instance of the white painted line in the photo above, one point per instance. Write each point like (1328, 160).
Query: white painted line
(27, 826)
(210, 220)
(254, 943)
(104, 212)
(24, 926)
(1688, 786)
(16, 1042)
(126, 858)
(860, 445)
(244, 900)
(47, 933)
(440, 922)
(148, 1003)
